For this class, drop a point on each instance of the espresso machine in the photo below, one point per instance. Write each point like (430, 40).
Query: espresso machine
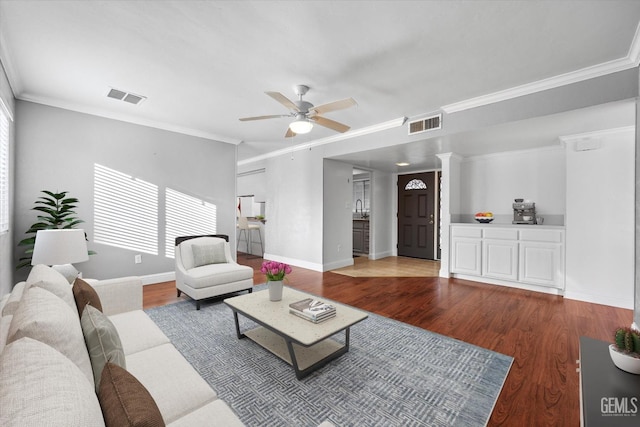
(524, 212)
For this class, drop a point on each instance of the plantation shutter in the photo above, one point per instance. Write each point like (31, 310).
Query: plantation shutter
(4, 169)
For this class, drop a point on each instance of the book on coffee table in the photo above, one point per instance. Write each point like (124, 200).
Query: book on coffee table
(312, 309)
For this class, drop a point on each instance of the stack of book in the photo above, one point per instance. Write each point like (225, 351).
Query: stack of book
(312, 310)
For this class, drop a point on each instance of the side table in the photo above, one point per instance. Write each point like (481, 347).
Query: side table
(608, 396)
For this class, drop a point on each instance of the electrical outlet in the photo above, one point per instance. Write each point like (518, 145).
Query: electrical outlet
(138, 259)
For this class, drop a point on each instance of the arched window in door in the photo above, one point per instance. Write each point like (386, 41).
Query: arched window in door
(415, 184)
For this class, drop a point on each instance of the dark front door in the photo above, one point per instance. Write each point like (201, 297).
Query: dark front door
(417, 215)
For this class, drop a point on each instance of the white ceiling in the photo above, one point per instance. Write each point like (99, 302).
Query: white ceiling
(204, 64)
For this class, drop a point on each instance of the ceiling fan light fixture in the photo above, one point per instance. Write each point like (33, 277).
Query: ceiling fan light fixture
(301, 126)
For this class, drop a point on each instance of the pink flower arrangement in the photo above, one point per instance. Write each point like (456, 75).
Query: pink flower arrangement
(275, 270)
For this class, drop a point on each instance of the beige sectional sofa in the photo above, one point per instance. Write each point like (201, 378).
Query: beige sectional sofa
(47, 374)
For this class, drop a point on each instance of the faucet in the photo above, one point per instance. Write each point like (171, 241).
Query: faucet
(360, 207)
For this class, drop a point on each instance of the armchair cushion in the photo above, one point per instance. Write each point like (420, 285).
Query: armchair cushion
(208, 253)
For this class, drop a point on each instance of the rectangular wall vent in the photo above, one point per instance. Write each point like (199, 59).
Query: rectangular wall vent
(423, 125)
(125, 96)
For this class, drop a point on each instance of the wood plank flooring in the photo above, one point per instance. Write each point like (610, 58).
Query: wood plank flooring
(541, 332)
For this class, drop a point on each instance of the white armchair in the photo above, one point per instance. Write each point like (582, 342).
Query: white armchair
(205, 269)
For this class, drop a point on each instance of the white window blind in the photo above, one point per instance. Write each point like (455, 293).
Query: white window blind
(4, 171)
(187, 216)
(125, 211)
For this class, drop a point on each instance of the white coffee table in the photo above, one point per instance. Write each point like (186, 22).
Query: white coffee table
(305, 345)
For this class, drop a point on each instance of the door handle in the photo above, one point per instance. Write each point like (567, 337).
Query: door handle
(431, 219)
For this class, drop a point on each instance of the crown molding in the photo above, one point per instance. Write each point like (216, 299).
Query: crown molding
(347, 135)
(596, 134)
(128, 119)
(630, 61)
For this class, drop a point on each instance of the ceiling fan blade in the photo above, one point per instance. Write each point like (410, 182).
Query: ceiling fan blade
(283, 100)
(246, 119)
(331, 124)
(334, 106)
(289, 133)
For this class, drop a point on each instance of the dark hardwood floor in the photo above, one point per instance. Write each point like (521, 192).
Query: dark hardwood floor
(541, 332)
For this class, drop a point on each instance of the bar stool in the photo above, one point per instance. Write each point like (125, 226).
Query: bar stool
(243, 225)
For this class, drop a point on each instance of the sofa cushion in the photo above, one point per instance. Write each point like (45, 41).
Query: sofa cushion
(47, 278)
(5, 322)
(137, 331)
(126, 402)
(42, 387)
(12, 302)
(46, 318)
(208, 253)
(85, 294)
(217, 274)
(183, 393)
(102, 340)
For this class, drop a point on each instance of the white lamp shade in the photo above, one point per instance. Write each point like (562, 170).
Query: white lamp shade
(61, 246)
(301, 126)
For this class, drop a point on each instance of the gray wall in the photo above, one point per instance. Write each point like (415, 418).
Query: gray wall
(57, 150)
(6, 239)
(337, 220)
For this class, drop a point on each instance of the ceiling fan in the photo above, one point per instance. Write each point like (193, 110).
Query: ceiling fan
(305, 113)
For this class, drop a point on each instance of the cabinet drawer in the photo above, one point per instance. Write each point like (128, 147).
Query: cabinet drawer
(466, 232)
(551, 236)
(501, 233)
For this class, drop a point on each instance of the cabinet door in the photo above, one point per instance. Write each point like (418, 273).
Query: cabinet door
(541, 264)
(500, 259)
(465, 256)
(358, 239)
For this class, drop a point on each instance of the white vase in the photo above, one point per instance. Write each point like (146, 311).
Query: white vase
(624, 361)
(275, 290)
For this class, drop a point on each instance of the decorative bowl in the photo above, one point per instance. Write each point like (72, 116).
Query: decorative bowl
(484, 219)
(624, 361)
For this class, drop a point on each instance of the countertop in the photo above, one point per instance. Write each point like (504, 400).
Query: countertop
(508, 225)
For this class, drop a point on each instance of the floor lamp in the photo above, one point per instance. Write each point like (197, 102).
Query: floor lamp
(60, 248)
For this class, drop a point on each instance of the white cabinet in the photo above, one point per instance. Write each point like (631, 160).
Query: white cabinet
(531, 256)
(500, 259)
(466, 256)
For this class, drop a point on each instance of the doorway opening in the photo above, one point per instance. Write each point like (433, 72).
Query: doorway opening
(418, 215)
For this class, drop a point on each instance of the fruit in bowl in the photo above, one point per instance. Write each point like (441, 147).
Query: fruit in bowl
(484, 217)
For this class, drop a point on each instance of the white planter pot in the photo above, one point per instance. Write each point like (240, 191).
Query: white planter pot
(623, 361)
(275, 290)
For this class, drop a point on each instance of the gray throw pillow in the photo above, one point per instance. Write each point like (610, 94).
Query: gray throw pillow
(102, 340)
(210, 253)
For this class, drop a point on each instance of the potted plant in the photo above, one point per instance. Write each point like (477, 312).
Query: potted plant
(275, 272)
(55, 210)
(625, 350)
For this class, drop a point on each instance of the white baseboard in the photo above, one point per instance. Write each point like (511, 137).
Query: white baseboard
(151, 279)
(600, 299)
(337, 264)
(294, 262)
(380, 255)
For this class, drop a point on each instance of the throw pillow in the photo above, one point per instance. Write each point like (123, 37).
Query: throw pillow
(44, 317)
(103, 341)
(47, 278)
(125, 401)
(205, 254)
(85, 294)
(42, 387)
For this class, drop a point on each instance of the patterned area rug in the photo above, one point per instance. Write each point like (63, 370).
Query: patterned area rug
(393, 375)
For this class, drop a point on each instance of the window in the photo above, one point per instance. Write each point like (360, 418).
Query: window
(4, 169)
(125, 211)
(187, 216)
(415, 184)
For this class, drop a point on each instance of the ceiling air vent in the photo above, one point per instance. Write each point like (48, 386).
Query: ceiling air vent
(423, 125)
(125, 96)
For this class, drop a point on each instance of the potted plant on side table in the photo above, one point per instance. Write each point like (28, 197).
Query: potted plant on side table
(625, 351)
